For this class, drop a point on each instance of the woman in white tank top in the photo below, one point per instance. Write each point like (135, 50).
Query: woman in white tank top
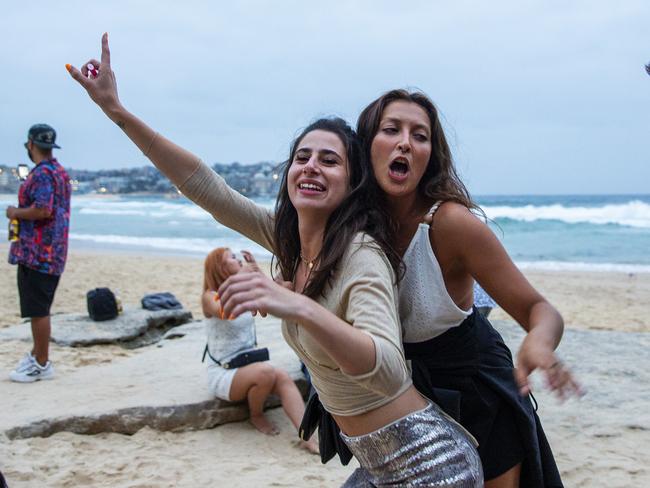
(458, 358)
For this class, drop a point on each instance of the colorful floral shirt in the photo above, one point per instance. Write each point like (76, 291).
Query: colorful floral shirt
(43, 244)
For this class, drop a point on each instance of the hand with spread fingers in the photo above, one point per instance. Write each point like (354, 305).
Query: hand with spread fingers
(254, 291)
(99, 82)
(558, 376)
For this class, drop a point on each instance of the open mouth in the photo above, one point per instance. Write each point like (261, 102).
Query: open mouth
(398, 169)
(311, 187)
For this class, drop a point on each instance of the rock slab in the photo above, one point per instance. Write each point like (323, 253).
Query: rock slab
(162, 386)
(135, 327)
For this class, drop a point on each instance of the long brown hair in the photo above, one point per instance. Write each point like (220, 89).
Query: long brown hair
(213, 272)
(440, 181)
(360, 211)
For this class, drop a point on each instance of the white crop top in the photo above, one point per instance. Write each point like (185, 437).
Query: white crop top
(426, 309)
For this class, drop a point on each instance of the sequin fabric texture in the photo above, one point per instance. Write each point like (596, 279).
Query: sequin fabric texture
(422, 449)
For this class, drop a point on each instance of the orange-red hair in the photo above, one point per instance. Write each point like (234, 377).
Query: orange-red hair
(213, 272)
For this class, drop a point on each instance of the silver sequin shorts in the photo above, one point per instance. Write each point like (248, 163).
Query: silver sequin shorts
(425, 448)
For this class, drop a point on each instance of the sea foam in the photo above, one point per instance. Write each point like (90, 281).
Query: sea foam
(157, 210)
(175, 244)
(632, 214)
(154, 209)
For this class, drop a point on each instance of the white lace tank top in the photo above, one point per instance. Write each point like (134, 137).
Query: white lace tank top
(227, 338)
(426, 309)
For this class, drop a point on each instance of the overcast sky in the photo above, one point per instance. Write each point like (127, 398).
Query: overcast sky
(538, 97)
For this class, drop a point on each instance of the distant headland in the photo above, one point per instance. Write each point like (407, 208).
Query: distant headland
(253, 180)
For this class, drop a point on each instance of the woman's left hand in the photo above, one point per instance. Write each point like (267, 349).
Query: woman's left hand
(253, 291)
(559, 378)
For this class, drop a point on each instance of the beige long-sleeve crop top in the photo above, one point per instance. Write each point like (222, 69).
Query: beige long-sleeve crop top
(361, 292)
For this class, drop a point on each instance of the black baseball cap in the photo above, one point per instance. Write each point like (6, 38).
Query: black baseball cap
(43, 136)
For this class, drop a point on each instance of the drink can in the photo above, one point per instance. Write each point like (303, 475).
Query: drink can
(13, 230)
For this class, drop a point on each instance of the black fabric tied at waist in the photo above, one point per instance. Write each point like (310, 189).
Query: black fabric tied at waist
(468, 372)
(452, 354)
(448, 400)
(329, 440)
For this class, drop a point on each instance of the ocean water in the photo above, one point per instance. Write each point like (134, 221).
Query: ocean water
(597, 232)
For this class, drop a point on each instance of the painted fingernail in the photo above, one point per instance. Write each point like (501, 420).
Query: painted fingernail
(231, 317)
(68, 67)
(216, 296)
(221, 313)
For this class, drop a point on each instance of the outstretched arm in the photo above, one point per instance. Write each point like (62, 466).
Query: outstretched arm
(480, 254)
(206, 189)
(175, 162)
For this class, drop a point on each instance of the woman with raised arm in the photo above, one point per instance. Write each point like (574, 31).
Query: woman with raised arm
(457, 357)
(341, 320)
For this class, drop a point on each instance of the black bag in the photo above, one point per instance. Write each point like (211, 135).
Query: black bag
(329, 441)
(241, 359)
(102, 304)
(248, 357)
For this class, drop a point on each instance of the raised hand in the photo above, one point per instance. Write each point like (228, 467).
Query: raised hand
(558, 376)
(101, 88)
(250, 291)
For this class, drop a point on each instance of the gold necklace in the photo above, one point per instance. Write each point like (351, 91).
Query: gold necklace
(309, 263)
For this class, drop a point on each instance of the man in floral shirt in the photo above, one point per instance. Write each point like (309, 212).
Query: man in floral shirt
(40, 252)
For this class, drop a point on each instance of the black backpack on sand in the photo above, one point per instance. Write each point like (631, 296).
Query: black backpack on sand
(102, 304)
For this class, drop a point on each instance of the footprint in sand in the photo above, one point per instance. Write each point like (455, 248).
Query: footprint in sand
(313, 477)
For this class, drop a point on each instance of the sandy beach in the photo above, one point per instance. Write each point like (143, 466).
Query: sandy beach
(596, 443)
(587, 300)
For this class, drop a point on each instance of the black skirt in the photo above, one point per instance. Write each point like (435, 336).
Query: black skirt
(468, 371)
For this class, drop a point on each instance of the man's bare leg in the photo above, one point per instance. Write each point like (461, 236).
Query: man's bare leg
(41, 330)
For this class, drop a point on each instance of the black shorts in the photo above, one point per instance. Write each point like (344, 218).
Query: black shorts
(36, 291)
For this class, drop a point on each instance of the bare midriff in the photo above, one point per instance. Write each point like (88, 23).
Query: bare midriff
(408, 402)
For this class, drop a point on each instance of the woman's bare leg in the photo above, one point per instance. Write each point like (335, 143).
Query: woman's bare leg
(255, 382)
(292, 403)
(509, 479)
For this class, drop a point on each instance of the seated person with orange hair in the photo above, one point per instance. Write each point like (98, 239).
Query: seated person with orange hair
(227, 338)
